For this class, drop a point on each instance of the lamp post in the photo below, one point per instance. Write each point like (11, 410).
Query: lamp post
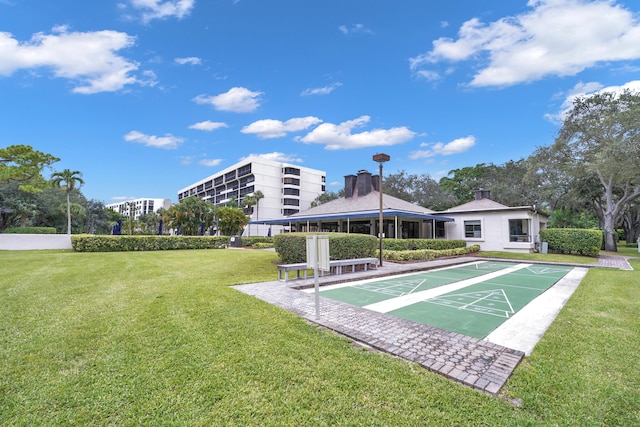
(380, 158)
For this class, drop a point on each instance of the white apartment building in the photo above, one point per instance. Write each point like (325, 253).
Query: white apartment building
(139, 207)
(287, 189)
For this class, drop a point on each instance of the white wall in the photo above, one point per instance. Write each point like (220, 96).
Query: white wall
(25, 242)
(495, 229)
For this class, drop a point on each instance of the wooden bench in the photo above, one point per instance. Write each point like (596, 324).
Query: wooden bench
(337, 266)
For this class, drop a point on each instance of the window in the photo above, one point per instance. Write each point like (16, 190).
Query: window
(287, 212)
(519, 230)
(244, 170)
(291, 202)
(291, 181)
(219, 180)
(291, 192)
(229, 176)
(291, 171)
(472, 229)
(246, 190)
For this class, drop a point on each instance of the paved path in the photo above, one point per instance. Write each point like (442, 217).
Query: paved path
(478, 364)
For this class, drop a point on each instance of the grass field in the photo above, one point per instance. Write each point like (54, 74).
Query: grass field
(159, 338)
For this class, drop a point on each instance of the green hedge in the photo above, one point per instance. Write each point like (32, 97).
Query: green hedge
(86, 243)
(292, 247)
(30, 230)
(262, 245)
(425, 254)
(253, 240)
(416, 244)
(578, 241)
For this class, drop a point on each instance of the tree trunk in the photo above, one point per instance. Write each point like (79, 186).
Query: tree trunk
(68, 214)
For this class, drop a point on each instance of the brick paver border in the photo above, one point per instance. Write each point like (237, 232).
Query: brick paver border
(478, 364)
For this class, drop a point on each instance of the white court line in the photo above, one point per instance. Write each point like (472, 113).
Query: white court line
(398, 276)
(406, 300)
(527, 326)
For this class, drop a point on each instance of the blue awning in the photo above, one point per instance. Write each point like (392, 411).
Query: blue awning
(352, 215)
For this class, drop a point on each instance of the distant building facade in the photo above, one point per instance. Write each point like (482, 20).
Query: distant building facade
(287, 189)
(139, 207)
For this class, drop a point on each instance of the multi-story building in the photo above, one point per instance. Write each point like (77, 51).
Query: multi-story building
(139, 207)
(286, 188)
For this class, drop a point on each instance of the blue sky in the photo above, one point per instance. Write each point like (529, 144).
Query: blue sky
(145, 97)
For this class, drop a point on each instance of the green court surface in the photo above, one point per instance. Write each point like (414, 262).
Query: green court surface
(373, 291)
(472, 299)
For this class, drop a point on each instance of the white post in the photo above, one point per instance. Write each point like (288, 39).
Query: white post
(317, 258)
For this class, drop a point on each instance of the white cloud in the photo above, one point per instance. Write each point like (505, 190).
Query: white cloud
(428, 75)
(557, 37)
(275, 156)
(191, 60)
(236, 99)
(208, 125)
(456, 146)
(157, 9)
(167, 142)
(89, 58)
(588, 89)
(210, 162)
(321, 90)
(355, 28)
(339, 137)
(269, 128)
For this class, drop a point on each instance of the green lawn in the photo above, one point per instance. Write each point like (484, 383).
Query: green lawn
(159, 338)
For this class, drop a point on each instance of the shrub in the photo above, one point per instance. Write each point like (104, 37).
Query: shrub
(573, 240)
(424, 254)
(413, 244)
(252, 240)
(30, 230)
(86, 243)
(262, 245)
(292, 247)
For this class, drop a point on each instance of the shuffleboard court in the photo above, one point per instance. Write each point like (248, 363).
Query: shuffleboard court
(472, 299)
(364, 293)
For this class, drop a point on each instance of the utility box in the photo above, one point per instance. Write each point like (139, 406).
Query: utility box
(545, 247)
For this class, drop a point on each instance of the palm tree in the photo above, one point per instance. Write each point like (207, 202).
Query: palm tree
(248, 201)
(68, 180)
(257, 195)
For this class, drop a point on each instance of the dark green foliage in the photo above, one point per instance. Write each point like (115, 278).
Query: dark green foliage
(413, 244)
(30, 230)
(424, 254)
(145, 243)
(292, 247)
(252, 240)
(573, 240)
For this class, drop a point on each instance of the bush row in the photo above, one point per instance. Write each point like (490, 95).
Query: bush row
(424, 254)
(573, 240)
(262, 245)
(86, 243)
(415, 244)
(252, 240)
(292, 247)
(30, 230)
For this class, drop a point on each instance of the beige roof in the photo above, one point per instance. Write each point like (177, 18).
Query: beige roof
(483, 205)
(369, 202)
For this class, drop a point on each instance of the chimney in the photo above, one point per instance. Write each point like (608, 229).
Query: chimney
(364, 183)
(481, 193)
(375, 181)
(349, 186)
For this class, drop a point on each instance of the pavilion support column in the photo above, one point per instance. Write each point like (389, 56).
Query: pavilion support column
(396, 230)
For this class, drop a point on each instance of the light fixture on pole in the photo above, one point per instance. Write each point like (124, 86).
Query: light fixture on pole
(380, 158)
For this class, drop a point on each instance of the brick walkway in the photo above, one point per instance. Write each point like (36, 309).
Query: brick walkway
(478, 364)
